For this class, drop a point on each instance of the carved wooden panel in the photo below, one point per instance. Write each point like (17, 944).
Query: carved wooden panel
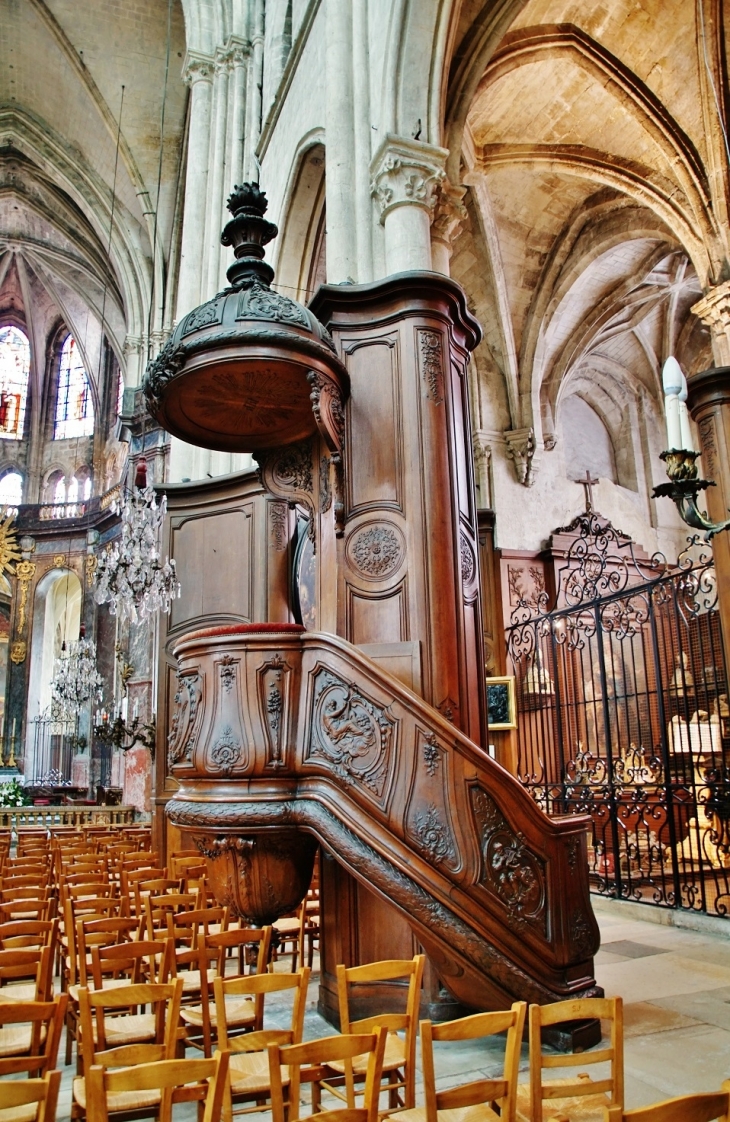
(373, 442)
(217, 545)
(377, 618)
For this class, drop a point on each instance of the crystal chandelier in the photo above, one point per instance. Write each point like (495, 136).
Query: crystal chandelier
(129, 575)
(75, 680)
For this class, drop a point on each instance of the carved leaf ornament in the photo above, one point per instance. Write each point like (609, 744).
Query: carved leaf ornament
(350, 732)
(187, 700)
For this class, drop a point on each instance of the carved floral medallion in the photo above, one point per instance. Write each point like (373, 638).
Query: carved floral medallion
(376, 550)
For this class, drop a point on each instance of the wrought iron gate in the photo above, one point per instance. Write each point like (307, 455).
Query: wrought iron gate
(623, 716)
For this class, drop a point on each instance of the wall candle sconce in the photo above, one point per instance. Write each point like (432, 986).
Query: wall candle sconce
(680, 457)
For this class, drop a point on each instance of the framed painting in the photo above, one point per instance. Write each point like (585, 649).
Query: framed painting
(501, 710)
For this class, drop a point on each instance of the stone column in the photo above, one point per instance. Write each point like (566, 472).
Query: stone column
(362, 138)
(405, 176)
(340, 151)
(210, 261)
(709, 404)
(237, 54)
(197, 73)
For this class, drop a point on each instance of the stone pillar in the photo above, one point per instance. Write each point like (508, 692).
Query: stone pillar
(405, 176)
(210, 262)
(714, 310)
(197, 73)
(448, 220)
(340, 151)
(133, 361)
(237, 56)
(362, 138)
(709, 404)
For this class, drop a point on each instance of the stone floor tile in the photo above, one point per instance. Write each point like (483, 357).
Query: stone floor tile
(643, 1018)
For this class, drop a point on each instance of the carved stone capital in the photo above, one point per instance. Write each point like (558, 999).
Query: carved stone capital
(521, 447)
(197, 67)
(449, 214)
(132, 345)
(714, 310)
(234, 52)
(406, 172)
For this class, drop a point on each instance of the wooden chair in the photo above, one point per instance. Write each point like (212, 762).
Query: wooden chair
(538, 1100)
(249, 1067)
(25, 909)
(26, 974)
(475, 1101)
(30, 1033)
(95, 907)
(29, 934)
(159, 908)
(317, 1056)
(242, 1013)
(399, 1062)
(686, 1108)
(185, 930)
(110, 1035)
(165, 1082)
(40, 1095)
(90, 934)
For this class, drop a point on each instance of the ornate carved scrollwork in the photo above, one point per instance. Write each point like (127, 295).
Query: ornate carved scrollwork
(273, 696)
(350, 733)
(327, 407)
(288, 475)
(180, 741)
(259, 877)
(226, 751)
(433, 835)
(376, 550)
(510, 871)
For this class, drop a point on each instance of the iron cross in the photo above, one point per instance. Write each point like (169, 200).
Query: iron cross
(587, 485)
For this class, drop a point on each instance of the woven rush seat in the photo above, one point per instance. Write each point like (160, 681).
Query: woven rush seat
(239, 1011)
(480, 1112)
(395, 1056)
(124, 1100)
(135, 1028)
(23, 991)
(190, 981)
(26, 1113)
(109, 984)
(249, 1072)
(586, 1108)
(17, 1039)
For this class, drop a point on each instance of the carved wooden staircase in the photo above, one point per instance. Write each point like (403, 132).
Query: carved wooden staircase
(282, 736)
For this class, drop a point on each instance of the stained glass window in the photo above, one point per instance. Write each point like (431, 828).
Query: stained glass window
(14, 368)
(11, 489)
(74, 407)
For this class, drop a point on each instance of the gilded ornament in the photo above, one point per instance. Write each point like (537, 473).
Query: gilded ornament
(59, 560)
(9, 548)
(24, 571)
(18, 651)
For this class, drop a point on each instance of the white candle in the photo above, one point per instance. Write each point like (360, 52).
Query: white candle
(672, 382)
(135, 710)
(124, 708)
(685, 430)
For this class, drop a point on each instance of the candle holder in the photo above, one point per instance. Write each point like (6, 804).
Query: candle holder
(684, 488)
(121, 735)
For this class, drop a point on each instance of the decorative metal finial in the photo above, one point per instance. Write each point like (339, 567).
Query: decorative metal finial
(248, 232)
